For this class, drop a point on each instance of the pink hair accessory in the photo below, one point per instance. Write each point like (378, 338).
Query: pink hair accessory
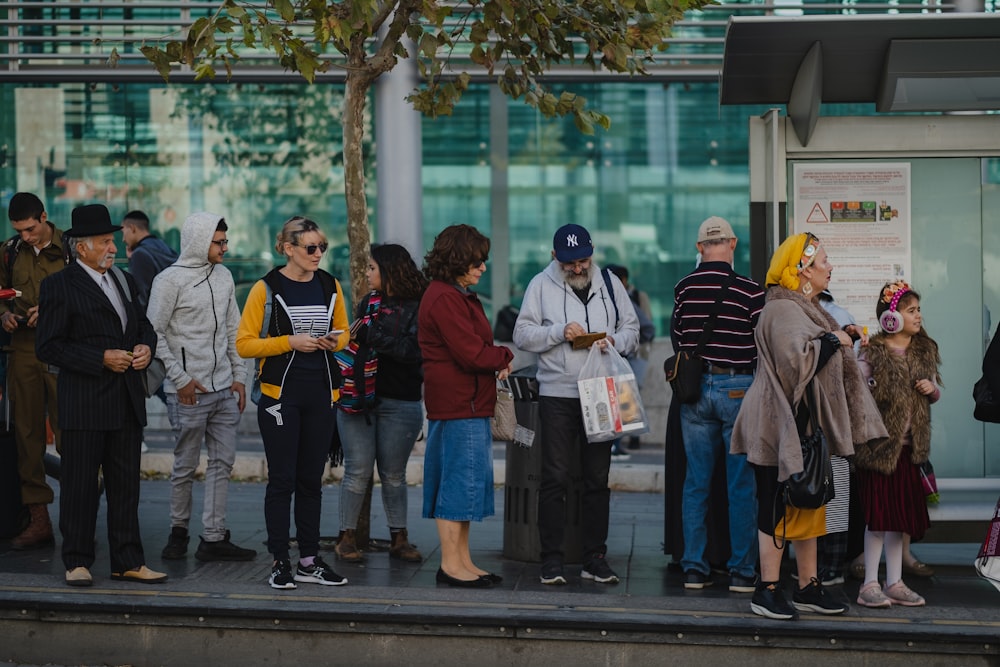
(893, 292)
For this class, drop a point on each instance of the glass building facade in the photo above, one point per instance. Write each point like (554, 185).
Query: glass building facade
(261, 149)
(259, 152)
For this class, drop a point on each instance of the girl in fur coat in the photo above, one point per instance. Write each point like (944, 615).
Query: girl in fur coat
(901, 365)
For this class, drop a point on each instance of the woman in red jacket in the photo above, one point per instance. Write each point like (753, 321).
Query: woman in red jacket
(461, 366)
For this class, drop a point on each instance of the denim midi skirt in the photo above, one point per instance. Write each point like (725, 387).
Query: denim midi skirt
(458, 470)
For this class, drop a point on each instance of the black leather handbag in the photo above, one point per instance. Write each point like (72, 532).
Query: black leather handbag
(813, 487)
(683, 372)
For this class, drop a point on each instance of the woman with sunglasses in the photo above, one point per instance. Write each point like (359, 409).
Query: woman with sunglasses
(461, 365)
(299, 385)
(800, 349)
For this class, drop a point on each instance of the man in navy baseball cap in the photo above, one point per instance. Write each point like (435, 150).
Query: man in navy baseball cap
(572, 242)
(566, 301)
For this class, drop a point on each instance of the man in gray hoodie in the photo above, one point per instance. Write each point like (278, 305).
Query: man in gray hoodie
(569, 298)
(192, 307)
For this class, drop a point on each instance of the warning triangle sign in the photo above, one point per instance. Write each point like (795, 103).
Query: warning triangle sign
(817, 214)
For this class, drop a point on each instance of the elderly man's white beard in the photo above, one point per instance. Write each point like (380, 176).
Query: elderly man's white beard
(580, 281)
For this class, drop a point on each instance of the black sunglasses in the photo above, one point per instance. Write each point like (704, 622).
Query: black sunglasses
(312, 248)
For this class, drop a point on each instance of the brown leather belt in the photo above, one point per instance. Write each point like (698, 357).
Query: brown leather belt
(720, 370)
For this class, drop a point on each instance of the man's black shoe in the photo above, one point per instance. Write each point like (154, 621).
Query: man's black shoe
(222, 550)
(552, 573)
(177, 544)
(741, 584)
(694, 580)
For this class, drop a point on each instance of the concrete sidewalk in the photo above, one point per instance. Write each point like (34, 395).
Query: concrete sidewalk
(394, 613)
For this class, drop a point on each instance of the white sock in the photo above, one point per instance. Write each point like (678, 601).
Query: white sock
(873, 554)
(893, 557)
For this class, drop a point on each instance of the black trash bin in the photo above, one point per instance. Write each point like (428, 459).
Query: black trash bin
(523, 483)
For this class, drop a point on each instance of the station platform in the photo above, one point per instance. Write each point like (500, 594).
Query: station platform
(394, 613)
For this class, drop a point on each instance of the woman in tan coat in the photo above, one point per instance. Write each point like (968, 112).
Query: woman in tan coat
(798, 343)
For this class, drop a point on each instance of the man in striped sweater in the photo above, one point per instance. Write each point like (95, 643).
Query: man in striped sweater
(729, 358)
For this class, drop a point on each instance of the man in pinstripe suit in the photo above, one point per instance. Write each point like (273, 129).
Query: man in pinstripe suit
(100, 340)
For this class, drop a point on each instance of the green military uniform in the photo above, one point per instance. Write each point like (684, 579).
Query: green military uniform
(31, 385)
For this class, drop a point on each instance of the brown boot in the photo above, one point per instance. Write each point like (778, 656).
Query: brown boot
(347, 547)
(402, 549)
(39, 530)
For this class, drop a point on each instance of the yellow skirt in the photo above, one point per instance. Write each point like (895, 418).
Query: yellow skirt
(799, 524)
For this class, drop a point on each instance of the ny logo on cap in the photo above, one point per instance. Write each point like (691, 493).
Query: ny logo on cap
(571, 241)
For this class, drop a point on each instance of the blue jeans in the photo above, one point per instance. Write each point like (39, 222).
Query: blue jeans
(708, 427)
(385, 435)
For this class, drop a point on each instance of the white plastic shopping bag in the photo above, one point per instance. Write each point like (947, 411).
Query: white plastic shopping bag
(609, 396)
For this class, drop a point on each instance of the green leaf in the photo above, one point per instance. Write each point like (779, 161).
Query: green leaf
(428, 45)
(249, 34)
(583, 123)
(204, 70)
(159, 59)
(414, 31)
(285, 10)
(235, 10)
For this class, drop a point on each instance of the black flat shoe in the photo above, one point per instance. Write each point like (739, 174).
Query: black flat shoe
(492, 578)
(444, 578)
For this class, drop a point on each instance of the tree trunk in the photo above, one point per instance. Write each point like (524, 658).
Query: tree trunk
(358, 236)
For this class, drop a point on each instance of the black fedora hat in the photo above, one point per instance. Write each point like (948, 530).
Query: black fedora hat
(91, 220)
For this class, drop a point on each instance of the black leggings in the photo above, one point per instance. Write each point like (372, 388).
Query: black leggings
(296, 430)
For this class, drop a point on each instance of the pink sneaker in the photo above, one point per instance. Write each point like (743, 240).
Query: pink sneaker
(871, 595)
(900, 593)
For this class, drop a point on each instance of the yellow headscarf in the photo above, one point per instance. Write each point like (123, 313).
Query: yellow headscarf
(784, 263)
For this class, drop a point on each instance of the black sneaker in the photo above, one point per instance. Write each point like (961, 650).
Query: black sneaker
(597, 569)
(177, 544)
(694, 580)
(741, 584)
(552, 573)
(832, 578)
(222, 550)
(318, 573)
(814, 598)
(281, 575)
(770, 602)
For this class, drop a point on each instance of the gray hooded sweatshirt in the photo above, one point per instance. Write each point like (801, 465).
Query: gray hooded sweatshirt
(550, 304)
(192, 307)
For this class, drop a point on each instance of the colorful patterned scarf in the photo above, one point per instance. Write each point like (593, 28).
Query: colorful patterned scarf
(359, 364)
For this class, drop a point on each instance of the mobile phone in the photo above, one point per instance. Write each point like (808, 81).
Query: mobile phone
(20, 319)
(334, 333)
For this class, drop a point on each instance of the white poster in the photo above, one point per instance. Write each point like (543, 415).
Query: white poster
(861, 214)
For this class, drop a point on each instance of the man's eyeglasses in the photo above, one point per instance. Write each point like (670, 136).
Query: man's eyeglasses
(222, 243)
(578, 264)
(312, 248)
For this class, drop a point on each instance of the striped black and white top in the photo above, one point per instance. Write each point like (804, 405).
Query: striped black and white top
(731, 342)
